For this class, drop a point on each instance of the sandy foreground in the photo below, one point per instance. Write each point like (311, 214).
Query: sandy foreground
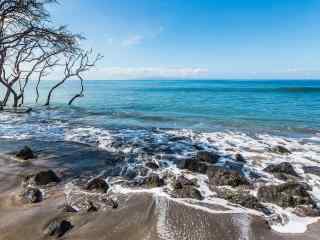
(139, 215)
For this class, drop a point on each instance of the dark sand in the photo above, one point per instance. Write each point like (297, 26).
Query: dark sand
(139, 215)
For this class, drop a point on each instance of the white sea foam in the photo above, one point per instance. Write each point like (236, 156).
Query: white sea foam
(292, 223)
(256, 149)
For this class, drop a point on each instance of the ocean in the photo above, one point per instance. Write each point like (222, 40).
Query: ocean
(280, 107)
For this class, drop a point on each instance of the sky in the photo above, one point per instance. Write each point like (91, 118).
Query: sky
(198, 39)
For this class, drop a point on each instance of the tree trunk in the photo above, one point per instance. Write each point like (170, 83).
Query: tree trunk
(79, 94)
(74, 98)
(37, 91)
(15, 100)
(6, 97)
(51, 91)
(10, 91)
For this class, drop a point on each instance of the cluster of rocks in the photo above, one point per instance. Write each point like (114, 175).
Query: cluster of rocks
(153, 180)
(90, 195)
(32, 181)
(25, 153)
(86, 199)
(31, 195)
(97, 184)
(219, 176)
(199, 163)
(279, 149)
(283, 171)
(293, 193)
(290, 195)
(242, 198)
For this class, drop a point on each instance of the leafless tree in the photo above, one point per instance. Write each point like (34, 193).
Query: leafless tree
(74, 66)
(30, 47)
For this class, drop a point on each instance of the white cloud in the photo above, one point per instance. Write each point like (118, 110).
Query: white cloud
(150, 72)
(303, 71)
(133, 40)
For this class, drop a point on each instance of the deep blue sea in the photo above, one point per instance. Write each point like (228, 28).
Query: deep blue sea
(277, 107)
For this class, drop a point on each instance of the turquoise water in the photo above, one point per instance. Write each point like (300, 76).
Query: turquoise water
(278, 105)
(284, 107)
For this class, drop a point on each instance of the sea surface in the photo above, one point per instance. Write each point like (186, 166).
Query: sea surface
(283, 107)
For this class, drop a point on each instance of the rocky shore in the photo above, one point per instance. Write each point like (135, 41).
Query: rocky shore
(184, 189)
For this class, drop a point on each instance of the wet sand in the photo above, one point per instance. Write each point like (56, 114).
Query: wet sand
(139, 215)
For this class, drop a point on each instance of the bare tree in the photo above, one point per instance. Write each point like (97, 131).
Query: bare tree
(47, 66)
(30, 47)
(74, 66)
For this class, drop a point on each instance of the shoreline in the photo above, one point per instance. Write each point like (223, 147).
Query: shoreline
(50, 155)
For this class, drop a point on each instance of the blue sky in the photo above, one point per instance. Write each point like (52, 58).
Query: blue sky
(216, 39)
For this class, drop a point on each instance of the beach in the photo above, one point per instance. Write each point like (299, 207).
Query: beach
(143, 212)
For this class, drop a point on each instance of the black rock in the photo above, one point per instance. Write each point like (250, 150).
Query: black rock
(182, 181)
(187, 191)
(238, 157)
(280, 150)
(143, 171)
(200, 163)
(40, 177)
(194, 165)
(244, 199)
(280, 169)
(222, 177)
(289, 194)
(153, 165)
(31, 195)
(153, 180)
(58, 228)
(97, 184)
(25, 153)
(315, 170)
(209, 157)
(45, 177)
(184, 188)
